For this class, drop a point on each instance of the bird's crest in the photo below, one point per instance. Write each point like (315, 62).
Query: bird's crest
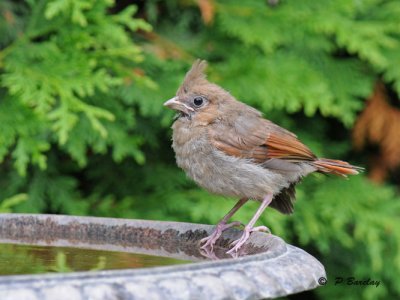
(195, 75)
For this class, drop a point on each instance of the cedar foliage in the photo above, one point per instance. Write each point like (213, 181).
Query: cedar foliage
(83, 130)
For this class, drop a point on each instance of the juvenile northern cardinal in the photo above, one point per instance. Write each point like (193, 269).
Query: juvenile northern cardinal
(228, 148)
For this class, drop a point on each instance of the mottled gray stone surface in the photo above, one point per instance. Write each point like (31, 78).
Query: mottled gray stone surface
(266, 268)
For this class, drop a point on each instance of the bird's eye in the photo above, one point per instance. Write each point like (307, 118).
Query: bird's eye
(198, 101)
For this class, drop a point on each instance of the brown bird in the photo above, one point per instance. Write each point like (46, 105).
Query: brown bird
(228, 148)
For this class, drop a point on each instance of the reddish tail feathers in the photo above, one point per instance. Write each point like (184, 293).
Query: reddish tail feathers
(337, 167)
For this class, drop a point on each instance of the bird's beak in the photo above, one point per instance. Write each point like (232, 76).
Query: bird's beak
(174, 104)
(171, 103)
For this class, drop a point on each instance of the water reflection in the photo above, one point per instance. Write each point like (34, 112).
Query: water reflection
(32, 259)
(84, 243)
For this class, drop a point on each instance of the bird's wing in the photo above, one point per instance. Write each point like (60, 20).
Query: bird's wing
(258, 139)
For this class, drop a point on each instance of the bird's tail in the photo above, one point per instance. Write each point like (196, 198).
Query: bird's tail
(337, 167)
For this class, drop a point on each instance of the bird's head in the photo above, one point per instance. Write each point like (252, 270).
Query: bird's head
(197, 98)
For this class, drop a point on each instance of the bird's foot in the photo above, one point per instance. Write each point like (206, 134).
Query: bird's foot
(245, 236)
(211, 240)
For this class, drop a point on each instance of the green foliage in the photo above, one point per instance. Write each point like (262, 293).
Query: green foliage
(6, 205)
(83, 130)
(73, 54)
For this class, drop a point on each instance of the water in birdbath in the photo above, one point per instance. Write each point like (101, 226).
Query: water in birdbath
(16, 259)
(47, 243)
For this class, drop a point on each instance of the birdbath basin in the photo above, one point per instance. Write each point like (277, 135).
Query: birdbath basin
(139, 259)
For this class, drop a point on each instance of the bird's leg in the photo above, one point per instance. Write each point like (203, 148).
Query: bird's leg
(222, 226)
(249, 228)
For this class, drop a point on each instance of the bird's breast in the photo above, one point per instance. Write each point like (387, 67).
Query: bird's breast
(192, 150)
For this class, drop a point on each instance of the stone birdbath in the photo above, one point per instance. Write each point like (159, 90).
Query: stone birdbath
(266, 268)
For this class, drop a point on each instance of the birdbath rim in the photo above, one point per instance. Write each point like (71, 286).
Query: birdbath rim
(270, 268)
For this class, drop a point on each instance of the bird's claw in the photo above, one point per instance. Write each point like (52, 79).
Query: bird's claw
(208, 253)
(212, 239)
(245, 236)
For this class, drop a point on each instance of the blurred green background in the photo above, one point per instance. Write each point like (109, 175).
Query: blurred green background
(83, 130)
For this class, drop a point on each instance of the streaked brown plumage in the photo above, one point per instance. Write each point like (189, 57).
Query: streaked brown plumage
(227, 148)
